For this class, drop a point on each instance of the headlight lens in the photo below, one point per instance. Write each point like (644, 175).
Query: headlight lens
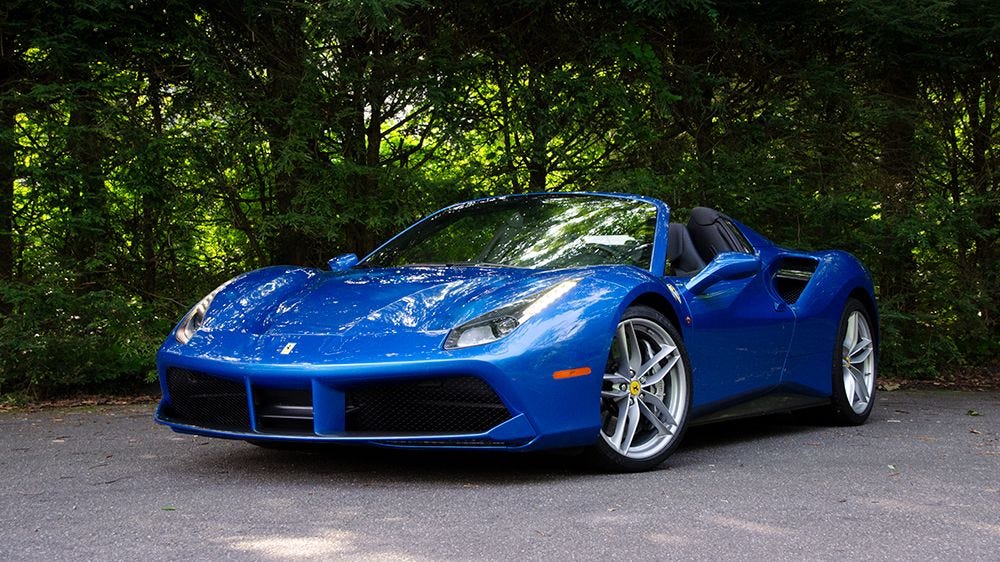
(498, 323)
(194, 319)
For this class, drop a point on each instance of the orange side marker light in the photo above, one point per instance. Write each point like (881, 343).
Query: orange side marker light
(570, 373)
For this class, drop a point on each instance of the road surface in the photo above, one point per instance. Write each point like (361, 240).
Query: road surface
(920, 481)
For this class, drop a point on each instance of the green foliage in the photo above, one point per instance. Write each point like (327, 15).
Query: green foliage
(56, 342)
(150, 150)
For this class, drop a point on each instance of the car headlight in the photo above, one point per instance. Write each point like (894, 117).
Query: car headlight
(498, 323)
(194, 319)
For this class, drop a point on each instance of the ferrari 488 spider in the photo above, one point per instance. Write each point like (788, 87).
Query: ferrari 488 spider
(527, 322)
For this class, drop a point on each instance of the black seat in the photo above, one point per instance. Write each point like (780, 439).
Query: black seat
(709, 232)
(681, 252)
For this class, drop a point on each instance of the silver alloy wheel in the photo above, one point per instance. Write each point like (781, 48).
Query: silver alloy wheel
(644, 394)
(858, 362)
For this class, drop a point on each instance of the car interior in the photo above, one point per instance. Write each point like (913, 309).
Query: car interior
(707, 234)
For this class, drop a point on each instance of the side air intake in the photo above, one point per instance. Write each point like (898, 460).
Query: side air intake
(792, 277)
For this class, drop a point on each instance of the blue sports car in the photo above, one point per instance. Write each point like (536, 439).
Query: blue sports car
(528, 322)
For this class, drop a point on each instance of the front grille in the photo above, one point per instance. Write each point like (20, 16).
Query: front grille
(205, 401)
(439, 405)
(283, 411)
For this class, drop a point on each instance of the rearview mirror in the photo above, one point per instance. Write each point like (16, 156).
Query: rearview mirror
(726, 266)
(342, 262)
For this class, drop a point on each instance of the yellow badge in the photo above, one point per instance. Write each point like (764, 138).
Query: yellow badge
(634, 387)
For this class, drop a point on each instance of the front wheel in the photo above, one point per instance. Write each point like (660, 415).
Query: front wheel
(646, 393)
(854, 364)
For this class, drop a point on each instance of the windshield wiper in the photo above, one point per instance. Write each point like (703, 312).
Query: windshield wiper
(467, 264)
(490, 264)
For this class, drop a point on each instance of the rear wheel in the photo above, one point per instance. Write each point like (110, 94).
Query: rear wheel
(645, 395)
(854, 365)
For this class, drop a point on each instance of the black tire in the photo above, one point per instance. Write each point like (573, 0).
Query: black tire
(845, 406)
(676, 389)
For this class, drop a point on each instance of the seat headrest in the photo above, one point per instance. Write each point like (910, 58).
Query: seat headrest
(681, 251)
(703, 216)
(677, 239)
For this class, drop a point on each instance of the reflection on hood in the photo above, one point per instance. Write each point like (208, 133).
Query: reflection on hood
(411, 299)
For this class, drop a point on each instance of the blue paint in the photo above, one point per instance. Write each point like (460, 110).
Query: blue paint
(358, 325)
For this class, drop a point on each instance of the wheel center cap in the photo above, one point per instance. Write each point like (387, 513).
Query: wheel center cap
(634, 387)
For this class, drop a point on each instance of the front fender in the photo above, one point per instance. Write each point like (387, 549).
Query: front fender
(574, 334)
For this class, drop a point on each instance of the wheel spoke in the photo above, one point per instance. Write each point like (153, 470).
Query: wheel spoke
(860, 387)
(616, 437)
(654, 358)
(634, 355)
(623, 365)
(649, 352)
(616, 378)
(851, 334)
(663, 371)
(849, 384)
(661, 410)
(651, 416)
(633, 424)
(861, 351)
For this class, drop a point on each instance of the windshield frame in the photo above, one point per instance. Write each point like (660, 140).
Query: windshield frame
(657, 260)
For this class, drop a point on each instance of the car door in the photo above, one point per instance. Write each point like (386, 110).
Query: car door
(740, 335)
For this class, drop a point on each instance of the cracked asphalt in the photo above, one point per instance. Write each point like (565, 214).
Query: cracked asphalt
(919, 481)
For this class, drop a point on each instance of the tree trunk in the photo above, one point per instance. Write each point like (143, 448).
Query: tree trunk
(694, 49)
(88, 232)
(151, 197)
(981, 108)
(503, 94)
(8, 154)
(361, 142)
(541, 136)
(897, 186)
(899, 164)
(9, 58)
(284, 59)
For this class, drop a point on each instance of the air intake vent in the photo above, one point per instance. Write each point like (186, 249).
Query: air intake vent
(456, 405)
(283, 411)
(792, 276)
(206, 401)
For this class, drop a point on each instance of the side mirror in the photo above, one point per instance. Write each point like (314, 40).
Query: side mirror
(726, 266)
(342, 262)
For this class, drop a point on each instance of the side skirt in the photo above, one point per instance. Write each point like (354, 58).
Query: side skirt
(784, 398)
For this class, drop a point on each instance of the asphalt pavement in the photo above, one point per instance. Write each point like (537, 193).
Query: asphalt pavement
(920, 481)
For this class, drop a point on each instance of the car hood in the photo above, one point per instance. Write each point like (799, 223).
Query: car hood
(421, 299)
(291, 319)
(364, 307)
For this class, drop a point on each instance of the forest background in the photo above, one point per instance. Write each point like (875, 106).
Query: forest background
(151, 149)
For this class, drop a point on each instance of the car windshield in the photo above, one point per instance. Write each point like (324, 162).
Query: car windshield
(534, 231)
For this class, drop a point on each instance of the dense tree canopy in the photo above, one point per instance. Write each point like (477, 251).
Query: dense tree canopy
(150, 149)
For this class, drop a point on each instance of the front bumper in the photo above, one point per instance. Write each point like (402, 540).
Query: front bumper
(510, 403)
